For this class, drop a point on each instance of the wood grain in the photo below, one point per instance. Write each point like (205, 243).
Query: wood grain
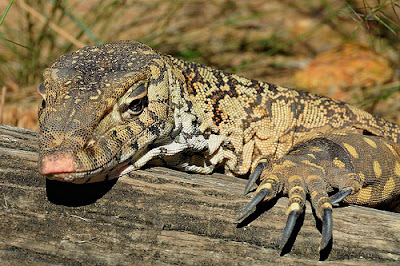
(162, 216)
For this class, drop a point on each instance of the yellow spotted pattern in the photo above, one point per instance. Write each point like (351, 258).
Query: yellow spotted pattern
(370, 142)
(313, 165)
(338, 163)
(377, 169)
(340, 133)
(362, 176)
(389, 187)
(364, 196)
(315, 149)
(397, 168)
(288, 163)
(351, 150)
(391, 148)
(311, 155)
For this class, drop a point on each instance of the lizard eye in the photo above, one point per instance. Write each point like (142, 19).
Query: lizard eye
(134, 102)
(136, 106)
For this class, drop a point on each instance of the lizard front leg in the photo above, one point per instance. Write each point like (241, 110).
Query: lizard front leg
(355, 168)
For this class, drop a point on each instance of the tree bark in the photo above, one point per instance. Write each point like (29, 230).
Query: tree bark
(163, 216)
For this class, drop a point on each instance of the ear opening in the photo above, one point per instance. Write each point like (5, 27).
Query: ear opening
(368, 133)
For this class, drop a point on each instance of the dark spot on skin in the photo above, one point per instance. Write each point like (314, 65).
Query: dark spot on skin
(129, 129)
(135, 146)
(154, 130)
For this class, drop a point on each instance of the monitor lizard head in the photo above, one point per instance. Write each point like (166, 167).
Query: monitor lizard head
(102, 106)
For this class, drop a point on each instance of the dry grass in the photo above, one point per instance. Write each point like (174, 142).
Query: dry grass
(268, 40)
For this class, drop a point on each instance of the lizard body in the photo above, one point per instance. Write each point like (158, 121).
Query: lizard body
(116, 107)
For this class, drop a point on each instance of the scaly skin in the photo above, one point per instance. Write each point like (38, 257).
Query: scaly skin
(113, 108)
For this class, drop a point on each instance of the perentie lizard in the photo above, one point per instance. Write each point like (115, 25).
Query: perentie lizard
(113, 108)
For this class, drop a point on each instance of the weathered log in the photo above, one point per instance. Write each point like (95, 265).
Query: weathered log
(160, 215)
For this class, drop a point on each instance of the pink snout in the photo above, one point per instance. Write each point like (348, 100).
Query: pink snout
(58, 163)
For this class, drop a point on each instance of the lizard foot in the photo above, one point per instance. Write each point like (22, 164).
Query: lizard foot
(315, 169)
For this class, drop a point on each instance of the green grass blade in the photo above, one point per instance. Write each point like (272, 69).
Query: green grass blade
(5, 13)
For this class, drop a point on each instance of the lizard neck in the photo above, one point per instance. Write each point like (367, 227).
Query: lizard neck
(239, 113)
(222, 100)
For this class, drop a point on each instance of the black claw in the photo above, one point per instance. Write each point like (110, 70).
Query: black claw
(257, 199)
(254, 176)
(338, 197)
(327, 225)
(290, 223)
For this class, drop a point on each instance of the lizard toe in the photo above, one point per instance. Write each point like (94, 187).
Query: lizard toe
(327, 227)
(340, 195)
(253, 203)
(261, 167)
(290, 223)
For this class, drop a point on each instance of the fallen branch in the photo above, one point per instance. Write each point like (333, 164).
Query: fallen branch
(160, 215)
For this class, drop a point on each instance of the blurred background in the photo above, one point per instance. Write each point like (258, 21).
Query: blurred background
(348, 50)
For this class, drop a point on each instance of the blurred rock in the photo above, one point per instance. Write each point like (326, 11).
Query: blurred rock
(352, 65)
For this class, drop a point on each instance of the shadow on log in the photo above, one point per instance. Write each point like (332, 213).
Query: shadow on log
(159, 216)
